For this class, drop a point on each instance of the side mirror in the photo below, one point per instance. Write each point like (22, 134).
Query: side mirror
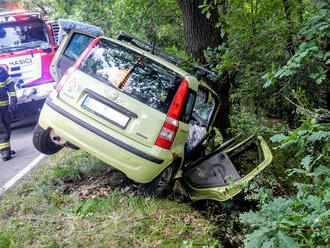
(200, 74)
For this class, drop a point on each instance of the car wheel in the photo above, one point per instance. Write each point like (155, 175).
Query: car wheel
(160, 184)
(42, 141)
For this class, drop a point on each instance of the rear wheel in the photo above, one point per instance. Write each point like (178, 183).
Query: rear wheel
(160, 184)
(42, 141)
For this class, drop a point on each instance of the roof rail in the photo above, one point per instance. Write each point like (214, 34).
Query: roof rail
(160, 52)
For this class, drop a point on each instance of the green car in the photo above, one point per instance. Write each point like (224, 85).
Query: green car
(129, 104)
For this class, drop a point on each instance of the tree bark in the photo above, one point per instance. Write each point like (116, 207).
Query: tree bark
(200, 33)
(288, 14)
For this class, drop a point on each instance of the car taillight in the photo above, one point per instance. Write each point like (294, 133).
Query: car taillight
(171, 125)
(64, 79)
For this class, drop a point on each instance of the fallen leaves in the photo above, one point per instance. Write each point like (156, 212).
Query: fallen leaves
(92, 192)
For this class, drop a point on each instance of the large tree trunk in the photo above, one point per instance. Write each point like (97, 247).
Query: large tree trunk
(200, 33)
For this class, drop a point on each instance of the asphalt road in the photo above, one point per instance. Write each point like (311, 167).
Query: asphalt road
(21, 142)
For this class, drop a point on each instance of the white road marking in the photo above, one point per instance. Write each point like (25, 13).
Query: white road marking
(21, 174)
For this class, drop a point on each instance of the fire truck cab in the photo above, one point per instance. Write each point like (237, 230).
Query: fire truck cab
(27, 46)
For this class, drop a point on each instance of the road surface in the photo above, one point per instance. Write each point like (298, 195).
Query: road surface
(21, 142)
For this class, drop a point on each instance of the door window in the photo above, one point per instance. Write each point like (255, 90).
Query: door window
(203, 108)
(77, 45)
(189, 105)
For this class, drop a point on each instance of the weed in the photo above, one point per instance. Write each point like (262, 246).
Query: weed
(72, 203)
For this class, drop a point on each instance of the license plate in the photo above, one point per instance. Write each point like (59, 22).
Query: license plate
(105, 112)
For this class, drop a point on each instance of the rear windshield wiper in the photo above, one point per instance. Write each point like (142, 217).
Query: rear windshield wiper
(129, 72)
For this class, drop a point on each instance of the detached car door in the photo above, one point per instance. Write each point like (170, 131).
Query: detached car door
(74, 38)
(220, 174)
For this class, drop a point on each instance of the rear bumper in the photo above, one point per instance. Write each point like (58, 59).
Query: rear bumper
(139, 162)
(31, 100)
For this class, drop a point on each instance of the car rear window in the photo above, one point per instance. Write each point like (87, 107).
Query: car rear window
(77, 45)
(136, 75)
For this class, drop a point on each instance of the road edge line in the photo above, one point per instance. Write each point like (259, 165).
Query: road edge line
(21, 174)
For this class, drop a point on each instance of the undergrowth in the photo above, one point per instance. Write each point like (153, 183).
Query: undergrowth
(75, 200)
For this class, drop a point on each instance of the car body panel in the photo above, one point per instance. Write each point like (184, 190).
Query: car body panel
(86, 133)
(121, 130)
(60, 51)
(226, 192)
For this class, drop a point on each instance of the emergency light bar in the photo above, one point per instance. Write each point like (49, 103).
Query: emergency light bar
(13, 12)
(10, 16)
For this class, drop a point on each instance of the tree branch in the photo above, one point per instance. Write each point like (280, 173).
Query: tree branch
(308, 113)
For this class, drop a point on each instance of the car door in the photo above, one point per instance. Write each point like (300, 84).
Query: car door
(71, 47)
(220, 174)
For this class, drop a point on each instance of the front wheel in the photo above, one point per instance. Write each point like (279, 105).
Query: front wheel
(42, 141)
(160, 184)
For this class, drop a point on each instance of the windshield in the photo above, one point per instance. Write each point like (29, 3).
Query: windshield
(26, 32)
(136, 75)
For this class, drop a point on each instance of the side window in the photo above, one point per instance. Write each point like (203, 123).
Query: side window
(203, 108)
(188, 107)
(77, 45)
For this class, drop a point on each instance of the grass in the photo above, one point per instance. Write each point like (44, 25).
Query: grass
(75, 200)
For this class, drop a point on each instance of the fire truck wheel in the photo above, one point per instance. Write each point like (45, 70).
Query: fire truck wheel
(42, 141)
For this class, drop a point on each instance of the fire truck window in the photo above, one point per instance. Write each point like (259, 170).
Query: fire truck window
(77, 45)
(24, 33)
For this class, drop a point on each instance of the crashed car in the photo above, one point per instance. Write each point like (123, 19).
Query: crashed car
(129, 104)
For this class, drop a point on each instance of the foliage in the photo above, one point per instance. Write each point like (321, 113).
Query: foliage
(262, 36)
(141, 18)
(310, 63)
(304, 219)
(311, 52)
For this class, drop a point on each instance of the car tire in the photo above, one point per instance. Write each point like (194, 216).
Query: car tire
(42, 141)
(159, 186)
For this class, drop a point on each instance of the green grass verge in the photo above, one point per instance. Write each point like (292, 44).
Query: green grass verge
(71, 201)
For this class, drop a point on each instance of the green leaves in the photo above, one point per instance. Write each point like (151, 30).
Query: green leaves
(319, 135)
(257, 238)
(306, 161)
(278, 138)
(303, 219)
(287, 242)
(272, 225)
(308, 66)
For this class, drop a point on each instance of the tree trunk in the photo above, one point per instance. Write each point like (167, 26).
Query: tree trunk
(327, 87)
(200, 33)
(288, 14)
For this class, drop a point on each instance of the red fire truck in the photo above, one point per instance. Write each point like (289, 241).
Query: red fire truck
(27, 46)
